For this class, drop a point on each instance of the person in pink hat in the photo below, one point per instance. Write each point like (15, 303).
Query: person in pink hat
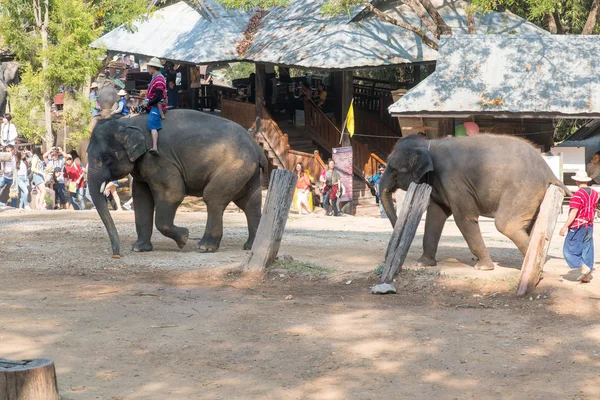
(578, 249)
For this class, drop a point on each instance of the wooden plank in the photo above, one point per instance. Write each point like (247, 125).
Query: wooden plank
(272, 224)
(28, 380)
(541, 236)
(409, 216)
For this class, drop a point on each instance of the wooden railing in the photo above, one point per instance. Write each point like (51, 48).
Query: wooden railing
(311, 162)
(277, 140)
(381, 139)
(238, 111)
(322, 130)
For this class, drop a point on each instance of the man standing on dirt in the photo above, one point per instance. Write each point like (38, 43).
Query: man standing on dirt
(578, 249)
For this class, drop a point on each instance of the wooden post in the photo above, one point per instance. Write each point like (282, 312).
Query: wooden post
(409, 216)
(540, 240)
(347, 96)
(28, 380)
(272, 224)
(259, 94)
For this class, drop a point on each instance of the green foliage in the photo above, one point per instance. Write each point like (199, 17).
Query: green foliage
(252, 4)
(238, 70)
(76, 113)
(111, 14)
(334, 7)
(27, 105)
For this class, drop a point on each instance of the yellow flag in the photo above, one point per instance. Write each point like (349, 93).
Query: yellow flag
(350, 120)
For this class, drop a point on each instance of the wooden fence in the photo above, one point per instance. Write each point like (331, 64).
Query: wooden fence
(238, 111)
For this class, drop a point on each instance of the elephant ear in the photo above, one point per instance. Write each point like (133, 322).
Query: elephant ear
(134, 141)
(419, 163)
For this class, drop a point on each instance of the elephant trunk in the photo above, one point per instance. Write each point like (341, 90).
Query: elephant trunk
(95, 186)
(386, 188)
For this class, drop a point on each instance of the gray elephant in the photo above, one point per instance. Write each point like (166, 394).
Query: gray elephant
(200, 155)
(9, 75)
(494, 176)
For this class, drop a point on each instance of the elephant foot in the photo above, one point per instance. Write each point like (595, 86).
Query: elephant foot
(208, 245)
(141, 246)
(184, 234)
(248, 244)
(426, 262)
(484, 265)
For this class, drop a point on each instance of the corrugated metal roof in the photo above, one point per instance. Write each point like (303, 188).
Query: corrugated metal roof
(531, 76)
(180, 33)
(297, 35)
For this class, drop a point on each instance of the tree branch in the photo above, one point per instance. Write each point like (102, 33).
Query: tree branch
(425, 18)
(590, 24)
(472, 29)
(417, 31)
(437, 18)
(559, 26)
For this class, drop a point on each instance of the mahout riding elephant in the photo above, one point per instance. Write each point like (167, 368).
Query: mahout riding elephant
(9, 75)
(494, 176)
(199, 155)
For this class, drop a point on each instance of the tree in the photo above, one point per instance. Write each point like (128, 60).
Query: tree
(51, 41)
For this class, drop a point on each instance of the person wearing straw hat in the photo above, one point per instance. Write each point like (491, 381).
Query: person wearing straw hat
(155, 101)
(94, 105)
(122, 107)
(578, 249)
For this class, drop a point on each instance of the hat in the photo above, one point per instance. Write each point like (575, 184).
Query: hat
(122, 93)
(94, 85)
(154, 62)
(581, 176)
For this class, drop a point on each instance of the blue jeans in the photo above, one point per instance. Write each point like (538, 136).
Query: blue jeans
(4, 182)
(579, 247)
(77, 199)
(23, 191)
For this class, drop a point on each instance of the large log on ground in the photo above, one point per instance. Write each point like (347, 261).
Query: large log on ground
(409, 216)
(5, 156)
(273, 220)
(28, 380)
(540, 240)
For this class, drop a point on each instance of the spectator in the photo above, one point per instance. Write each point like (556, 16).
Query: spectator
(74, 178)
(111, 190)
(578, 249)
(330, 180)
(122, 106)
(172, 95)
(8, 168)
(593, 168)
(302, 190)
(9, 131)
(320, 95)
(23, 180)
(94, 104)
(375, 182)
(55, 164)
(39, 179)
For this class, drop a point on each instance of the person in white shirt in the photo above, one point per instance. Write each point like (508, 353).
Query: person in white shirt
(9, 131)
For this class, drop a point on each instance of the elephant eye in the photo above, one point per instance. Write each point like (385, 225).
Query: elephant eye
(105, 158)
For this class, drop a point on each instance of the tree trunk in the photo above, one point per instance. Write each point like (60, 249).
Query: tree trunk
(590, 24)
(540, 240)
(28, 380)
(423, 16)
(272, 223)
(554, 24)
(416, 30)
(409, 216)
(47, 94)
(443, 27)
(472, 29)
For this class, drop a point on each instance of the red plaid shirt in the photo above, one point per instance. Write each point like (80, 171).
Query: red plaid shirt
(158, 83)
(585, 201)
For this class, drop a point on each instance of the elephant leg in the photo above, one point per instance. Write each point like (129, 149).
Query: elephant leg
(167, 200)
(434, 224)
(213, 232)
(515, 231)
(469, 227)
(144, 215)
(250, 204)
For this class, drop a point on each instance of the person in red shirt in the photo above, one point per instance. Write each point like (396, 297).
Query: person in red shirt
(75, 183)
(578, 249)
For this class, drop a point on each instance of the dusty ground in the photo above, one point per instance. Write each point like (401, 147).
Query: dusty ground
(172, 325)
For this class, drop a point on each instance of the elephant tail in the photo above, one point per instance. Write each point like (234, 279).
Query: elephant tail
(561, 185)
(263, 161)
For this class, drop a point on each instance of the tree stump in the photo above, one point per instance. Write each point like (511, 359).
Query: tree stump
(540, 240)
(409, 216)
(28, 380)
(273, 220)
(5, 156)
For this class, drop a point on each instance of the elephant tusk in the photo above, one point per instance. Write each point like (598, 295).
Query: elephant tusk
(102, 187)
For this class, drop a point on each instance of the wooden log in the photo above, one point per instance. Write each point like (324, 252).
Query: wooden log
(272, 224)
(28, 380)
(5, 156)
(409, 216)
(540, 240)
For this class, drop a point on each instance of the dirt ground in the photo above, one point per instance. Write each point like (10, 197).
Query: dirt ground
(176, 324)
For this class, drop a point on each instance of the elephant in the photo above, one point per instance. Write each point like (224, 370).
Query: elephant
(9, 75)
(494, 176)
(199, 155)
